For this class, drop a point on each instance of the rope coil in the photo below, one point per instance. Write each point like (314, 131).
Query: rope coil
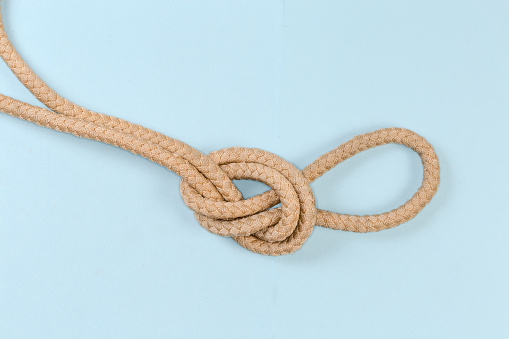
(206, 186)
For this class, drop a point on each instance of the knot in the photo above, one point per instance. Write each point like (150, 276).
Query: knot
(251, 222)
(260, 228)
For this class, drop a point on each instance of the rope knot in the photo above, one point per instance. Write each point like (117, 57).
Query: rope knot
(252, 222)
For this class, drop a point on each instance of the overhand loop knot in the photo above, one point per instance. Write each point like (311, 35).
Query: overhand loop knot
(260, 228)
(207, 186)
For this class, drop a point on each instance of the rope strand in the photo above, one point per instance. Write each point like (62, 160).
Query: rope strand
(207, 187)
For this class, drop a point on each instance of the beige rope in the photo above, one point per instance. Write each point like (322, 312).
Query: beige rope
(207, 186)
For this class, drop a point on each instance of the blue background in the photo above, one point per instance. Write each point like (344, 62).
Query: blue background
(97, 243)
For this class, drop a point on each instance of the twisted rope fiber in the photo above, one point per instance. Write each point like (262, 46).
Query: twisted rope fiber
(206, 186)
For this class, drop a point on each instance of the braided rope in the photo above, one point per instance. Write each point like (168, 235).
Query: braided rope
(206, 186)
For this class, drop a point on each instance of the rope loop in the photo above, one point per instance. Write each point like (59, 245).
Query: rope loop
(260, 228)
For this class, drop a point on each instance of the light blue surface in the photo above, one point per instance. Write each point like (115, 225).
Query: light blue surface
(96, 242)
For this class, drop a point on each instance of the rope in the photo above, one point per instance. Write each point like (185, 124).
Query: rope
(206, 186)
